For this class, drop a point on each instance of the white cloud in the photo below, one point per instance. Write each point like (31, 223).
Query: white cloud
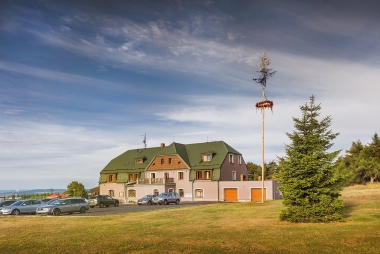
(13, 111)
(65, 28)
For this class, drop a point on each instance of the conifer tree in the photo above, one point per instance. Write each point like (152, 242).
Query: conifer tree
(309, 186)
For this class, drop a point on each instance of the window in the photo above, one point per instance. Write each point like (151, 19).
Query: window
(139, 161)
(156, 192)
(203, 175)
(166, 175)
(180, 175)
(162, 161)
(133, 177)
(153, 175)
(181, 193)
(231, 158)
(199, 193)
(171, 190)
(233, 175)
(170, 160)
(207, 157)
(239, 159)
(131, 193)
(111, 193)
(111, 178)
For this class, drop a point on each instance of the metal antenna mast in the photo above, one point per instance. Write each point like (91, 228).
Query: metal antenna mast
(265, 73)
(144, 141)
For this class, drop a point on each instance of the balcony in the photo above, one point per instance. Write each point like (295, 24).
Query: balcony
(155, 180)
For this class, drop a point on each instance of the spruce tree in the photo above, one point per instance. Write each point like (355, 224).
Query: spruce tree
(309, 186)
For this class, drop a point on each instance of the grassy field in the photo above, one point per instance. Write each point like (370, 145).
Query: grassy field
(215, 228)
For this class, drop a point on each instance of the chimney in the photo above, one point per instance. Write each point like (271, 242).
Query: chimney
(162, 145)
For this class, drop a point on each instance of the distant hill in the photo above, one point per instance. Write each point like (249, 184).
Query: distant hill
(34, 191)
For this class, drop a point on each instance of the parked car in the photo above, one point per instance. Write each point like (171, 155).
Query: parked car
(22, 206)
(6, 203)
(102, 201)
(167, 198)
(146, 200)
(67, 205)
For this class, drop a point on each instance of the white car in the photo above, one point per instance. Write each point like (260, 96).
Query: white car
(22, 206)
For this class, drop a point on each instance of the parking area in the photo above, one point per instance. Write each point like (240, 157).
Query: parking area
(128, 208)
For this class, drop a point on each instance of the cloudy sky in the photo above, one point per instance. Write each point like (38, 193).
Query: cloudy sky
(82, 81)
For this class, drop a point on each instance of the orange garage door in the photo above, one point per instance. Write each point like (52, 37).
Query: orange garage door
(256, 194)
(230, 194)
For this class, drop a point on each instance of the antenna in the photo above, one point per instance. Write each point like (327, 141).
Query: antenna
(144, 141)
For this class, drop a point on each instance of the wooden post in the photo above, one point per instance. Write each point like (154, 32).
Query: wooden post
(262, 149)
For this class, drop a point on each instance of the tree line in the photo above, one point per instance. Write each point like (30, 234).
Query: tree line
(359, 165)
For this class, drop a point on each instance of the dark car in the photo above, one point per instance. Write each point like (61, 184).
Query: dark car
(67, 205)
(146, 200)
(167, 198)
(102, 201)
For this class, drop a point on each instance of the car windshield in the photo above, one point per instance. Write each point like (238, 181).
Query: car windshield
(55, 202)
(18, 203)
(147, 196)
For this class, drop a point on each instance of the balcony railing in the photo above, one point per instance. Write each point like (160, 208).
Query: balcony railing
(155, 180)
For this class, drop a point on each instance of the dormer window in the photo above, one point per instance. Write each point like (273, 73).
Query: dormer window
(207, 157)
(140, 160)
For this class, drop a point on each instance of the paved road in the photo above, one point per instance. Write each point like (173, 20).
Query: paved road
(131, 208)
(128, 208)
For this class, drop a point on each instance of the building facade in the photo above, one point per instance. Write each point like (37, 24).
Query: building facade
(211, 171)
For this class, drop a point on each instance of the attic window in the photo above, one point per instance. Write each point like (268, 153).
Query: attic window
(207, 157)
(138, 161)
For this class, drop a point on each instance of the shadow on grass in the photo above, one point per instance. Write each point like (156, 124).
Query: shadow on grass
(348, 208)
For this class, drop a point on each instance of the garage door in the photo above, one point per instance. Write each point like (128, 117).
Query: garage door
(256, 194)
(230, 194)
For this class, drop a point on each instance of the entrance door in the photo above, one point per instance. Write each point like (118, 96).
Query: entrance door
(230, 195)
(256, 194)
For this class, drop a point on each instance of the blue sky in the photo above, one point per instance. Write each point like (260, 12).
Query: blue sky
(82, 81)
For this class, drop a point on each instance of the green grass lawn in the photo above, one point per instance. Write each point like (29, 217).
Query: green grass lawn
(215, 228)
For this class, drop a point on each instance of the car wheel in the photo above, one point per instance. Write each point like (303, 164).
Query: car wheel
(56, 212)
(166, 202)
(154, 203)
(150, 203)
(139, 204)
(91, 206)
(107, 205)
(177, 202)
(101, 205)
(16, 212)
(70, 212)
(116, 204)
(82, 209)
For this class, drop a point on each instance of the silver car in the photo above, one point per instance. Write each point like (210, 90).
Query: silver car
(22, 206)
(167, 198)
(67, 205)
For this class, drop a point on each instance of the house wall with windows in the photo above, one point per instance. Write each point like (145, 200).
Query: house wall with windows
(211, 171)
(238, 191)
(115, 190)
(234, 168)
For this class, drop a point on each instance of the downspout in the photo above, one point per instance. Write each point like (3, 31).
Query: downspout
(218, 191)
(192, 191)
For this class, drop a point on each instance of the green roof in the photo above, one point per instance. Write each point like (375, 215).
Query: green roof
(191, 155)
(126, 161)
